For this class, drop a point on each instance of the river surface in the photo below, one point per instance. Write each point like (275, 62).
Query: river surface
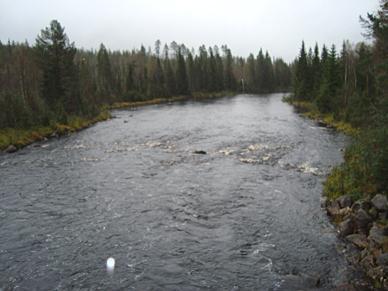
(245, 216)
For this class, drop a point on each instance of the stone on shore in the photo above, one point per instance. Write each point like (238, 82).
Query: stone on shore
(359, 240)
(380, 202)
(11, 149)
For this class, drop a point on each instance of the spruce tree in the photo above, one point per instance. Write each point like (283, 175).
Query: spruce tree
(181, 75)
(60, 82)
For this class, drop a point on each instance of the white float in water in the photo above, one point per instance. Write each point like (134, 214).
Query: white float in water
(110, 265)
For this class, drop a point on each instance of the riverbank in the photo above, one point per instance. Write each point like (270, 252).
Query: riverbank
(13, 139)
(358, 212)
(309, 110)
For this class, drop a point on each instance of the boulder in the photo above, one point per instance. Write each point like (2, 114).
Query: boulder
(359, 240)
(345, 201)
(346, 227)
(380, 202)
(376, 235)
(200, 152)
(11, 149)
(362, 220)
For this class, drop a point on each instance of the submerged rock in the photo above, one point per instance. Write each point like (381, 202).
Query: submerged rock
(11, 149)
(380, 202)
(199, 152)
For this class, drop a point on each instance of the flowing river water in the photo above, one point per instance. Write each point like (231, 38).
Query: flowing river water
(244, 216)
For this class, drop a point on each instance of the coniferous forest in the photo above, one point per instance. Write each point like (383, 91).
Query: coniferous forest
(350, 86)
(53, 81)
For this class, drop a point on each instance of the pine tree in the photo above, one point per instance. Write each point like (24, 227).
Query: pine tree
(301, 75)
(181, 75)
(60, 84)
(104, 74)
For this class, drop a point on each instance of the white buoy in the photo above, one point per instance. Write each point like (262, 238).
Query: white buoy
(110, 265)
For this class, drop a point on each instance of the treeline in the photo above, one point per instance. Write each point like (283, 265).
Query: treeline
(352, 86)
(53, 80)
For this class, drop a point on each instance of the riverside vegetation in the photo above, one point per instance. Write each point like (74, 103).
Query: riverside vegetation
(52, 87)
(349, 92)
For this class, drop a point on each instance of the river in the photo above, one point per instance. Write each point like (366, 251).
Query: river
(244, 216)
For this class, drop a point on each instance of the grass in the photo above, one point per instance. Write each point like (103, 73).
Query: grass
(21, 137)
(309, 110)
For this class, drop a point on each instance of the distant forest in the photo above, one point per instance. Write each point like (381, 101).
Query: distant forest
(53, 80)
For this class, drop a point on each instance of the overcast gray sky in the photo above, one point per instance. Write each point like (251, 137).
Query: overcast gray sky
(244, 25)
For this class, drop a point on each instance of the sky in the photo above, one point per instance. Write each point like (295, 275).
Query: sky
(278, 26)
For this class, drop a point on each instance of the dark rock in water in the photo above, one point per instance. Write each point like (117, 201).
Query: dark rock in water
(382, 259)
(200, 152)
(321, 123)
(125, 121)
(346, 227)
(11, 149)
(362, 220)
(293, 282)
(345, 201)
(380, 202)
(359, 240)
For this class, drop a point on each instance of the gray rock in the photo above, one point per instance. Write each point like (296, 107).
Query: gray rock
(359, 240)
(380, 202)
(362, 220)
(345, 201)
(346, 227)
(11, 149)
(382, 259)
(376, 235)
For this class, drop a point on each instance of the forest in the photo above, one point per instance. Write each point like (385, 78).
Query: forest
(52, 81)
(350, 87)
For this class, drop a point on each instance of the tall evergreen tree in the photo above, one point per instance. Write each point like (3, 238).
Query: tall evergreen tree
(60, 83)
(181, 75)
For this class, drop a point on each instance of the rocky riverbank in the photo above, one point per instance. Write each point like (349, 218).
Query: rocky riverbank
(364, 224)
